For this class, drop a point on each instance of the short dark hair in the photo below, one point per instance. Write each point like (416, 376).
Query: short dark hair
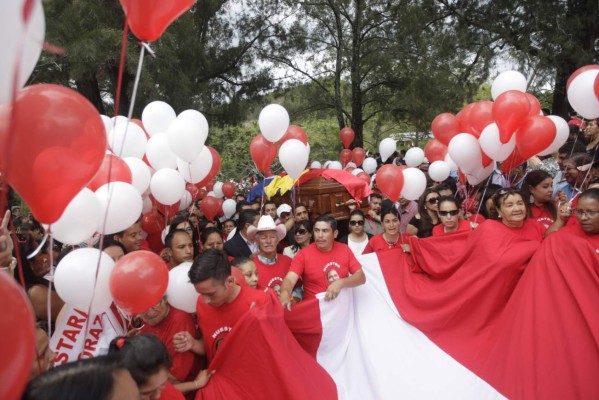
(143, 355)
(168, 240)
(246, 217)
(240, 204)
(572, 148)
(209, 231)
(592, 194)
(375, 196)
(328, 219)
(269, 202)
(449, 199)
(109, 242)
(77, 380)
(212, 263)
(239, 261)
(357, 212)
(298, 205)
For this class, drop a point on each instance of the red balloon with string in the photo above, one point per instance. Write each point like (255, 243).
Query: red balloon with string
(263, 152)
(444, 127)
(228, 189)
(358, 155)
(113, 169)
(152, 222)
(347, 136)
(510, 109)
(213, 171)
(345, 156)
(295, 132)
(389, 179)
(210, 207)
(52, 147)
(435, 151)
(149, 19)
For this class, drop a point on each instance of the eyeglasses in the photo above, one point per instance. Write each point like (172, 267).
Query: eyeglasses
(301, 231)
(434, 200)
(589, 213)
(354, 223)
(453, 213)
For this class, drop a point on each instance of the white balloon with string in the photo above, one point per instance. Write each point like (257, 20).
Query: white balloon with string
(369, 165)
(414, 157)
(387, 147)
(218, 190)
(127, 139)
(581, 94)
(157, 116)
(229, 208)
(186, 138)
(414, 183)
(196, 116)
(438, 171)
(140, 173)
(492, 146)
(335, 165)
(506, 81)
(273, 121)
(180, 292)
(185, 200)
(159, 153)
(79, 220)
(120, 207)
(78, 284)
(167, 186)
(294, 156)
(198, 169)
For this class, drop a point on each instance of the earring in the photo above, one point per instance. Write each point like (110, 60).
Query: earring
(532, 199)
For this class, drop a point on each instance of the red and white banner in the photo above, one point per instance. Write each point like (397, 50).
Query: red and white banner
(77, 337)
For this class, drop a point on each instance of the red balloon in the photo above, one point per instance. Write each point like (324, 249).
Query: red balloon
(535, 135)
(389, 180)
(210, 186)
(17, 324)
(213, 171)
(229, 189)
(480, 116)
(167, 211)
(358, 155)
(345, 156)
(486, 160)
(347, 136)
(365, 177)
(193, 191)
(152, 222)
(510, 110)
(349, 169)
(596, 87)
(535, 105)
(210, 207)
(148, 19)
(464, 117)
(113, 169)
(138, 281)
(295, 132)
(580, 71)
(52, 147)
(435, 151)
(514, 160)
(263, 152)
(444, 127)
(220, 206)
(202, 194)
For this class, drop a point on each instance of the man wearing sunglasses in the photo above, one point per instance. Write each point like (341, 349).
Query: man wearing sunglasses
(314, 263)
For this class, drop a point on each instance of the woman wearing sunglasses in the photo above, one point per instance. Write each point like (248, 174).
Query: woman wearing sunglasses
(449, 215)
(357, 239)
(303, 237)
(422, 224)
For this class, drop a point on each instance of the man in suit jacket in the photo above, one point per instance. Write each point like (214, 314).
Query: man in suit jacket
(239, 245)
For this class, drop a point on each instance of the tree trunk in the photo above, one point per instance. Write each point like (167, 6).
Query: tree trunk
(356, 91)
(338, 69)
(89, 88)
(125, 99)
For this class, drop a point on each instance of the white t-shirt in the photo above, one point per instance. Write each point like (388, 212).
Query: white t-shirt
(357, 247)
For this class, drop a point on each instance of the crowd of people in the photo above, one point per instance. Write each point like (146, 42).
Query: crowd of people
(280, 251)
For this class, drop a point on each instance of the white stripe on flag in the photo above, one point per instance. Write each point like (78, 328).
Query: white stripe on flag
(372, 353)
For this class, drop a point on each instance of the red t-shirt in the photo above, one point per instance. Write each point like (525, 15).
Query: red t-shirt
(541, 215)
(216, 322)
(270, 275)
(187, 365)
(463, 225)
(171, 393)
(316, 267)
(377, 243)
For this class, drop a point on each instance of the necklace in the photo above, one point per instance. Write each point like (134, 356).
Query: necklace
(391, 244)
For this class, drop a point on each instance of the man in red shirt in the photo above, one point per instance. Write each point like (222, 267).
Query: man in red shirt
(272, 267)
(221, 304)
(315, 263)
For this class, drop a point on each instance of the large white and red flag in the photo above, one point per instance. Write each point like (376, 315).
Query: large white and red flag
(475, 316)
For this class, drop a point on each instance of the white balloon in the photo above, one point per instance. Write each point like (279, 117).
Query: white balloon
(369, 165)
(196, 116)
(180, 292)
(229, 206)
(316, 164)
(126, 139)
(562, 131)
(335, 165)
(508, 80)
(159, 153)
(76, 282)
(492, 146)
(79, 220)
(210, 193)
(581, 94)
(465, 152)
(273, 122)
(167, 186)
(481, 174)
(140, 173)
(186, 138)
(157, 116)
(357, 171)
(351, 164)
(120, 204)
(147, 204)
(108, 124)
(218, 189)
(327, 163)
(414, 183)
(21, 43)
(386, 148)
(294, 156)
(414, 157)
(185, 200)
(198, 169)
(438, 171)
(452, 165)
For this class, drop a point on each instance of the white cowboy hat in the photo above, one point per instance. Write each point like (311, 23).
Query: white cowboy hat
(266, 223)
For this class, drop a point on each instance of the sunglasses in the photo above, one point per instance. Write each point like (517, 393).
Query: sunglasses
(301, 231)
(446, 213)
(354, 223)
(434, 200)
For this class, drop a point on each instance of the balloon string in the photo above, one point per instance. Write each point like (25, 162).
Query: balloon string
(121, 69)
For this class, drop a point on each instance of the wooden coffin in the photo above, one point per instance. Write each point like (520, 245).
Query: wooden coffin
(321, 196)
